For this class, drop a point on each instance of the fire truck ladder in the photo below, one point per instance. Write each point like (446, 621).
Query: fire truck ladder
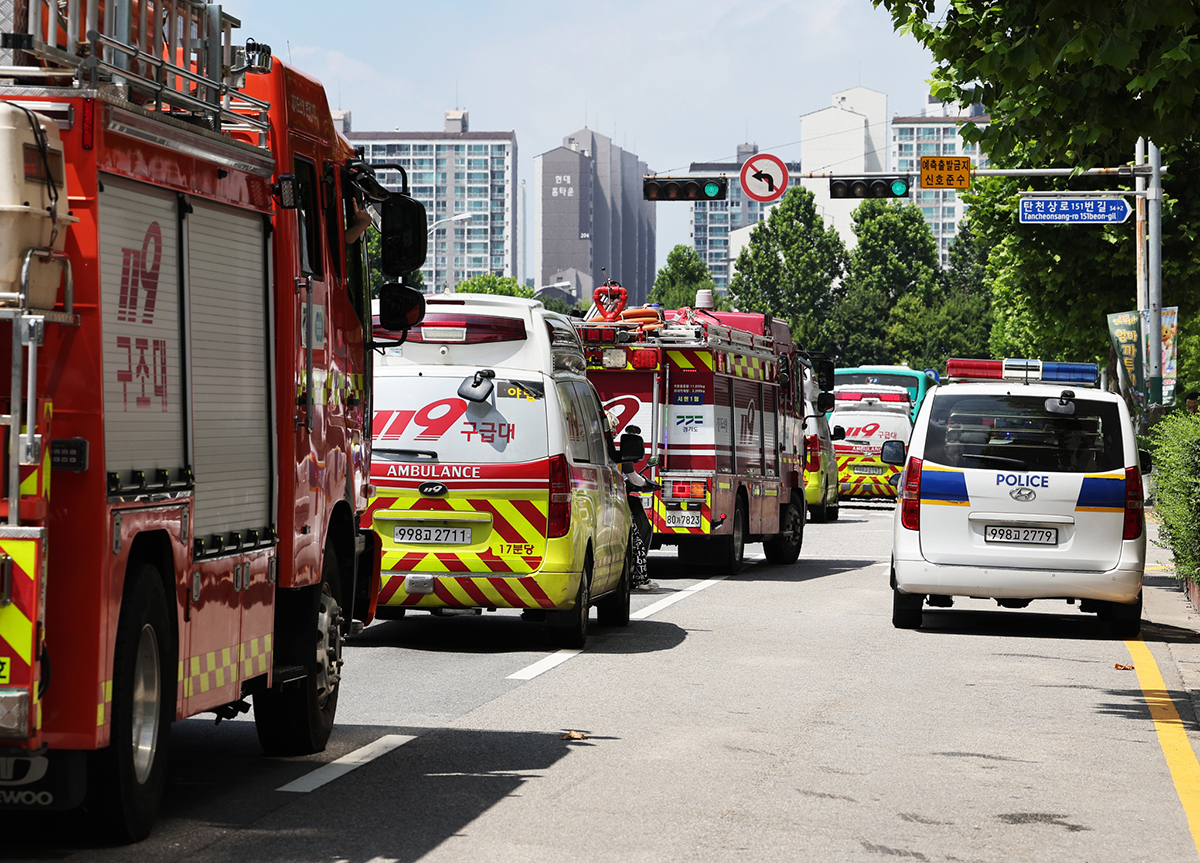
(28, 329)
(176, 54)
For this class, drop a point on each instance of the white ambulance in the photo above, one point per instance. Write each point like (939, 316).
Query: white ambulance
(497, 485)
(1022, 481)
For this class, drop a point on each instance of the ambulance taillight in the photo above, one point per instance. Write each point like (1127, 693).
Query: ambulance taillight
(558, 521)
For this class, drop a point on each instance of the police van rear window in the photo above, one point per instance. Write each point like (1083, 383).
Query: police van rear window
(1019, 432)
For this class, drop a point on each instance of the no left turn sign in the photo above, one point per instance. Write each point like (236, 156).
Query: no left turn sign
(764, 178)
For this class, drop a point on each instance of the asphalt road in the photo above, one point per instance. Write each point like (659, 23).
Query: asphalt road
(772, 715)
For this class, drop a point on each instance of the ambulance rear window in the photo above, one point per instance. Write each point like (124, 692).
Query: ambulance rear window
(1018, 432)
(423, 419)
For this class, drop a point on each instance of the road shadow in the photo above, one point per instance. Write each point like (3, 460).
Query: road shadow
(805, 569)
(1023, 623)
(1136, 704)
(506, 634)
(222, 802)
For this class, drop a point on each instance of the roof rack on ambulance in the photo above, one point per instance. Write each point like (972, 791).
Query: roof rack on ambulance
(163, 50)
(1023, 371)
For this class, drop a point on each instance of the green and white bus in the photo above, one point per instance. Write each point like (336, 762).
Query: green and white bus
(915, 381)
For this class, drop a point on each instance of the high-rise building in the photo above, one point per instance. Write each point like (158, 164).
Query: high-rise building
(456, 173)
(937, 132)
(591, 219)
(849, 137)
(712, 221)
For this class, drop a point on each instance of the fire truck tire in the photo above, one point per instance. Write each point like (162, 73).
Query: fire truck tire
(613, 610)
(730, 549)
(127, 777)
(574, 634)
(297, 719)
(784, 548)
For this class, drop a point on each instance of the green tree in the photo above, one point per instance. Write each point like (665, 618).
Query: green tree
(896, 258)
(1066, 82)
(791, 268)
(486, 283)
(685, 273)
(957, 322)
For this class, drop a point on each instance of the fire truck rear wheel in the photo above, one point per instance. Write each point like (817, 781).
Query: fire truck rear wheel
(730, 549)
(785, 547)
(297, 719)
(127, 777)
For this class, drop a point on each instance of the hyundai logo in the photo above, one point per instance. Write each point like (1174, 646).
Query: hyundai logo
(1022, 494)
(432, 489)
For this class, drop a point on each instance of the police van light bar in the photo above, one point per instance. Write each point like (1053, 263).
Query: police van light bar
(1029, 371)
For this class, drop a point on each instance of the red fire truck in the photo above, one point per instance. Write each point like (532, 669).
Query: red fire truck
(188, 336)
(717, 396)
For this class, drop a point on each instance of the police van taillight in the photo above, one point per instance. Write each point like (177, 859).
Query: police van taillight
(558, 518)
(1133, 504)
(910, 495)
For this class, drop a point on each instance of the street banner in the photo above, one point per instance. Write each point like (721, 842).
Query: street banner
(1170, 327)
(1124, 329)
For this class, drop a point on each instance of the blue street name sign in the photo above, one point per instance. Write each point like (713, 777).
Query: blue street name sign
(1074, 211)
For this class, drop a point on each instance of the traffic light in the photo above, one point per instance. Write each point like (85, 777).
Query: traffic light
(685, 188)
(868, 187)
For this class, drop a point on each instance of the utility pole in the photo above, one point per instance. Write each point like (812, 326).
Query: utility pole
(1139, 158)
(1154, 280)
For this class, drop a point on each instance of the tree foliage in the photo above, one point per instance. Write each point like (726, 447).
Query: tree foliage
(792, 268)
(486, 283)
(1067, 82)
(895, 259)
(685, 273)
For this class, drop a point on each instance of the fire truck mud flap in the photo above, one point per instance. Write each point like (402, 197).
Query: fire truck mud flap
(43, 781)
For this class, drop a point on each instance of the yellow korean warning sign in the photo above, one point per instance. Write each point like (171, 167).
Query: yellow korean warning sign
(945, 172)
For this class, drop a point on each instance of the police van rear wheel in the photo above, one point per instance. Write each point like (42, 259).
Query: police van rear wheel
(297, 718)
(906, 609)
(1125, 621)
(127, 777)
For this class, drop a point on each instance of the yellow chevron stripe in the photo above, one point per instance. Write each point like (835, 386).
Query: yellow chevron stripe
(17, 630)
(680, 360)
(24, 554)
(706, 358)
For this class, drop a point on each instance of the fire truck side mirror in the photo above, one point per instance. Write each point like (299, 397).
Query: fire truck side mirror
(400, 307)
(825, 374)
(824, 402)
(404, 236)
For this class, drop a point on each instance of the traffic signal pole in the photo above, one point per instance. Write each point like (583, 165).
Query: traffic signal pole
(1154, 281)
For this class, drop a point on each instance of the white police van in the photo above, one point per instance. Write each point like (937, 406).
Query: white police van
(1022, 481)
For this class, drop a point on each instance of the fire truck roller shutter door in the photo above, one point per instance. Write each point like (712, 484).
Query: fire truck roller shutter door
(230, 390)
(140, 312)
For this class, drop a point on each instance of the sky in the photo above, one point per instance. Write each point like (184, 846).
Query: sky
(674, 81)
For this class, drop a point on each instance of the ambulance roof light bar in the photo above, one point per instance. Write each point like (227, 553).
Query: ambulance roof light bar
(1026, 371)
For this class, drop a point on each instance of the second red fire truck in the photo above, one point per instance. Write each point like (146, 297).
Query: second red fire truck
(718, 397)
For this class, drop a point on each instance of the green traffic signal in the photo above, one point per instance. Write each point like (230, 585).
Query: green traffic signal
(899, 188)
(712, 189)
